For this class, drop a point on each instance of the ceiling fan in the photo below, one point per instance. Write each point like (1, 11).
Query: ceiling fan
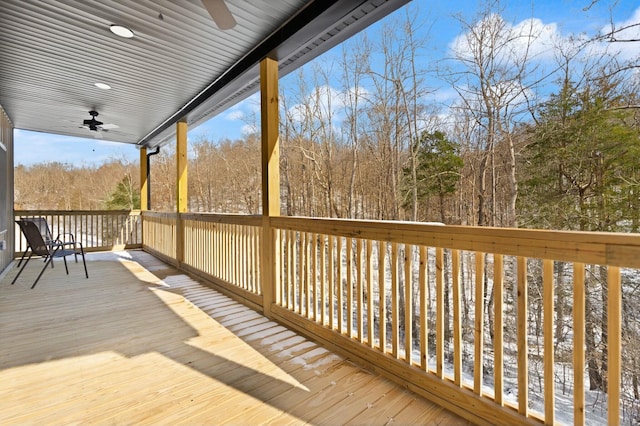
(220, 13)
(97, 126)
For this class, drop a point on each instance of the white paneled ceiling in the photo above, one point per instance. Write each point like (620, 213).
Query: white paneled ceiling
(178, 66)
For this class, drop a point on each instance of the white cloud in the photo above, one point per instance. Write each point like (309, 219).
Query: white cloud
(530, 39)
(538, 37)
(248, 129)
(324, 103)
(538, 40)
(252, 103)
(235, 115)
(625, 30)
(443, 95)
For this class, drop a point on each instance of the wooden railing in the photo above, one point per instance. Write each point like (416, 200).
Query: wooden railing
(470, 317)
(224, 249)
(160, 234)
(95, 229)
(502, 326)
(488, 322)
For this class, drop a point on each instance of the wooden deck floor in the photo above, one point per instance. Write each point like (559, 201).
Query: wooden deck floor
(140, 343)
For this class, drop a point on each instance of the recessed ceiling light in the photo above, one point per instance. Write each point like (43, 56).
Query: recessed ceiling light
(102, 86)
(121, 31)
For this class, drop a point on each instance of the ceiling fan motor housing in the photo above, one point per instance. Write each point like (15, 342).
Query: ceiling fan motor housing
(93, 123)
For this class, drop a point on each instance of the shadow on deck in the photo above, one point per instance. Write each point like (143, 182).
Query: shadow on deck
(139, 342)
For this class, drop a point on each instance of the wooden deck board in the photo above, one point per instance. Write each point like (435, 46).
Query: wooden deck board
(132, 346)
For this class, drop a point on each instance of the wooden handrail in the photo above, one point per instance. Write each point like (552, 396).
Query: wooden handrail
(602, 248)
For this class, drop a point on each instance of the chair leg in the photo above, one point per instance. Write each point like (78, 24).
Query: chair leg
(83, 261)
(66, 268)
(42, 271)
(23, 255)
(20, 271)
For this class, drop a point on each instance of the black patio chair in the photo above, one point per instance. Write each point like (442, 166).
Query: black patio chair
(45, 231)
(49, 251)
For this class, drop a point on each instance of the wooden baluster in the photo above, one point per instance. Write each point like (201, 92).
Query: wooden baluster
(235, 254)
(478, 370)
(331, 282)
(258, 261)
(395, 306)
(250, 259)
(359, 290)
(340, 306)
(323, 283)
(314, 274)
(202, 241)
(382, 302)
(349, 301)
(523, 347)
(498, 333)
(457, 322)
(440, 312)
(301, 275)
(369, 278)
(579, 301)
(424, 332)
(247, 258)
(293, 282)
(548, 312)
(229, 250)
(408, 301)
(286, 259)
(241, 257)
(307, 275)
(224, 247)
(614, 343)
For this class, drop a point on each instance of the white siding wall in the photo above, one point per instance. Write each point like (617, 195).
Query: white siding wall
(6, 190)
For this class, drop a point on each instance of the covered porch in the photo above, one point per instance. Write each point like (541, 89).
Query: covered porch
(140, 342)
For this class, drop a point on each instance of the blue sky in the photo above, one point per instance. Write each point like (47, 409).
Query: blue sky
(562, 18)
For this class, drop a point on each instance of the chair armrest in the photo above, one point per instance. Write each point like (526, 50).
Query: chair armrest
(58, 243)
(73, 238)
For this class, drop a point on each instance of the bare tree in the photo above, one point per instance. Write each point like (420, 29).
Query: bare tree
(494, 76)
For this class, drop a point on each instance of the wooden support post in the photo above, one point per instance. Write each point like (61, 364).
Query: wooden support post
(182, 195)
(144, 200)
(144, 196)
(269, 105)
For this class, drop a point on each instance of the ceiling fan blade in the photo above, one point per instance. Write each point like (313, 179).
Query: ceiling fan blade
(110, 126)
(220, 13)
(96, 134)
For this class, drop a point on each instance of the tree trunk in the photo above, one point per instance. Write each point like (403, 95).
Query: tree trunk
(482, 191)
(595, 377)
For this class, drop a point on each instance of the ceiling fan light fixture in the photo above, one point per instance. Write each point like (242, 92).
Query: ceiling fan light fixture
(102, 86)
(121, 31)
